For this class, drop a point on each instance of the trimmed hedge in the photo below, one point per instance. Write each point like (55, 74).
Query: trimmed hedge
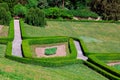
(95, 60)
(28, 54)
(101, 71)
(49, 62)
(50, 51)
(10, 37)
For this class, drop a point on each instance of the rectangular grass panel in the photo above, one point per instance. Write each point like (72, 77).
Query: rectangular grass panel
(50, 51)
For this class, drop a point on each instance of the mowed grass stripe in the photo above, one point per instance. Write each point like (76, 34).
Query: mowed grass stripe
(26, 71)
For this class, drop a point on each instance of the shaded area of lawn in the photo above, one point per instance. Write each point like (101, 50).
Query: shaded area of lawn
(105, 36)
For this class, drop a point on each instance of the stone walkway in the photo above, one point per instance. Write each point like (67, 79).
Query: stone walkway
(16, 44)
(79, 51)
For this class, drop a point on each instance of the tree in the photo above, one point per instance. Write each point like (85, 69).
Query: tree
(109, 9)
(5, 6)
(35, 17)
(20, 10)
(42, 4)
(32, 4)
(5, 16)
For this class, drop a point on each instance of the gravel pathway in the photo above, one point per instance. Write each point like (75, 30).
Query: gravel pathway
(16, 44)
(79, 51)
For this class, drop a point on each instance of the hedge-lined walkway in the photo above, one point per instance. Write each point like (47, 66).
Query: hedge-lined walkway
(16, 44)
(79, 51)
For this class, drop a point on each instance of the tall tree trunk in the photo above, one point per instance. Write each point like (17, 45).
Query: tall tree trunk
(63, 3)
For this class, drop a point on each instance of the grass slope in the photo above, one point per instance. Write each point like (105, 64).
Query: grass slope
(99, 37)
(12, 70)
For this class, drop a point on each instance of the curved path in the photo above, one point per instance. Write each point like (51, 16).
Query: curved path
(16, 44)
(79, 51)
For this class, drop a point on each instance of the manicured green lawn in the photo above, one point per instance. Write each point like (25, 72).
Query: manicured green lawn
(12, 70)
(17, 71)
(99, 37)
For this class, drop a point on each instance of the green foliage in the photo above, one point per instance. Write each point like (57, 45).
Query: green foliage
(56, 13)
(117, 66)
(84, 13)
(11, 4)
(31, 4)
(42, 4)
(5, 6)
(50, 51)
(5, 16)
(108, 9)
(20, 10)
(35, 17)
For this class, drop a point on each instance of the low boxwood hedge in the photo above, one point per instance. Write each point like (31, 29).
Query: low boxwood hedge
(49, 62)
(101, 71)
(10, 37)
(95, 59)
(28, 54)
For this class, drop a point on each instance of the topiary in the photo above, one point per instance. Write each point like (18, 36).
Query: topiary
(35, 17)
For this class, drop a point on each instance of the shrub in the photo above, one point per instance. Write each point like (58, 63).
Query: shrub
(5, 16)
(35, 17)
(56, 13)
(50, 51)
(19, 10)
(32, 3)
(4, 5)
(84, 13)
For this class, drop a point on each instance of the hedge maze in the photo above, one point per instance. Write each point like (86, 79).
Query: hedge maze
(95, 61)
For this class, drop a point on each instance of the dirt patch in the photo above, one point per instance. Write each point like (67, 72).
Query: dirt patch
(1, 27)
(61, 51)
(113, 63)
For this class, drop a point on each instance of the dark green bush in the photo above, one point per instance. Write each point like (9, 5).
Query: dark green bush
(50, 51)
(20, 10)
(35, 17)
(5, 16)
(5, 6)
(56, 13)
(84, 13)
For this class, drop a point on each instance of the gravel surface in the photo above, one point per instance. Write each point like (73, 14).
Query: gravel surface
(79, 51)
(16, 44)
